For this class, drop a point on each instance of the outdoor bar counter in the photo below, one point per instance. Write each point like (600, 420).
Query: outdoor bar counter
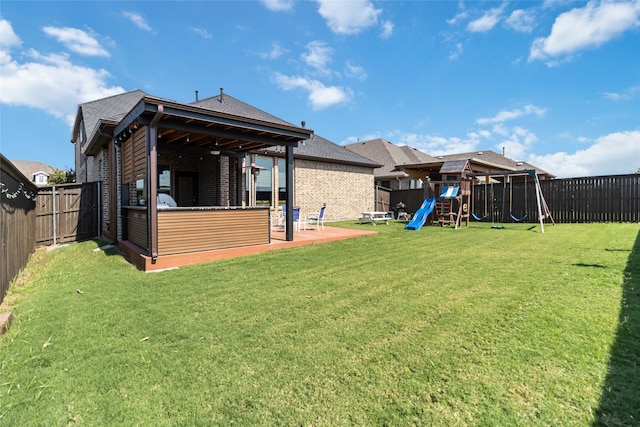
(203, 228)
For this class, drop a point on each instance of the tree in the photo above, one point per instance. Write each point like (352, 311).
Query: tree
(59, 176)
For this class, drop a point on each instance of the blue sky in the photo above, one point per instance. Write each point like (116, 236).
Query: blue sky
(555, 83)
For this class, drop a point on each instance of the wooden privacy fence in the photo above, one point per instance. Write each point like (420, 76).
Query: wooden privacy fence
(383, 197)
(67, 213)
(17, 222)
(614, 198)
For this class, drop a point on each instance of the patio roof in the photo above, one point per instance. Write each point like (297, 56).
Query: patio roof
(189, 127)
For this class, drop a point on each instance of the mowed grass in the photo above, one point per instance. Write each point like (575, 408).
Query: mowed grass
(432, 327)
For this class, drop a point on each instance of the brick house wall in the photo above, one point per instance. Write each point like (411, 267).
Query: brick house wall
(346, 189)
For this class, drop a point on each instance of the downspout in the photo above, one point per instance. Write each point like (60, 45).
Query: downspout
(152, 179)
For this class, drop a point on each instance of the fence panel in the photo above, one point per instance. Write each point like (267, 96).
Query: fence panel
(67, 213)
(614, 198)
(17, 222)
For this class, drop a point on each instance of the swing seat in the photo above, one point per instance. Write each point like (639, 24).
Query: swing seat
(516, 219)
(479, 218)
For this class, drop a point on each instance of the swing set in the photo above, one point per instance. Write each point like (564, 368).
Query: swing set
(490, 208)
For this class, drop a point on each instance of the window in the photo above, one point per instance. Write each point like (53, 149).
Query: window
(41, 178)
(282, 181)
(164, 179)
(264, 181)
(140, 194)
(270, 183)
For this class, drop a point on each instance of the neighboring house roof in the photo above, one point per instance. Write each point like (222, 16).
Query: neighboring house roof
(493, 159)
(321, 149)
(390, 156)
(31, 168)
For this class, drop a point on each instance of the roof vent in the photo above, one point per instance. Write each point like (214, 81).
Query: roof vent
(196, 96)
(479, 153)
(440, 157)
(221, 94)
(519, 164)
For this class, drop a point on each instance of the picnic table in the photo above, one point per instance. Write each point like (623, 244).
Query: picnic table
(372, 217)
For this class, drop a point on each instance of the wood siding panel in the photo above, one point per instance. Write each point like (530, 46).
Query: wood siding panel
(194, 231)
(139, 154)
(134, 157)
(137, 228)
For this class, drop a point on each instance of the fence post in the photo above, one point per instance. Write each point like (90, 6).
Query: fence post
(55, 231)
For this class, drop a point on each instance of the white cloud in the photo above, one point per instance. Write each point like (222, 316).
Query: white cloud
(521, 20)
(320, 96)
(348, 17)
(622, 96)
(8, 38)
(275, 52)
(318, 56)
(456, 52)
(438, 145)
(461, 16)
(49, 82)
(355, 71)
(76, 40)
(487, 21)
(585, 27)
(505, 115)
(615, 153)
(278, 5)
(201, 32)
(517, 144)
(138, 20)
(387, 29)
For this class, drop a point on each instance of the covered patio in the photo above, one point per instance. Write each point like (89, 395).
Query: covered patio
(195, 156)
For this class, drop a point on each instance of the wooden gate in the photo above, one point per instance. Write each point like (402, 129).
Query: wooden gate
(67, 213)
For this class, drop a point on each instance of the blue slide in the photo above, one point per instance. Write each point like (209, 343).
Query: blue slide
(421, 215)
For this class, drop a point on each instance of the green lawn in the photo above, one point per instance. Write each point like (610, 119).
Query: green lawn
(432, 327)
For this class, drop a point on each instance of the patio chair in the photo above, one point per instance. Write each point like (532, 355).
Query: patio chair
(318, 217)
(297, 219)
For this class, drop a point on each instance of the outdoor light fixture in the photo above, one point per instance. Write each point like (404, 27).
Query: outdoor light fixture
(255, 170)
(215, 148)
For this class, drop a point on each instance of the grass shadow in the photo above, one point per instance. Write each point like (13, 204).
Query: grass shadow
(619, 402)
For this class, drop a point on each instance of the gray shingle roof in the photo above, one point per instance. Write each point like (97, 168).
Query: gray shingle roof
(491, 157)
(389, 155)
(319, 148)
(111, 108)
(224, 103)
